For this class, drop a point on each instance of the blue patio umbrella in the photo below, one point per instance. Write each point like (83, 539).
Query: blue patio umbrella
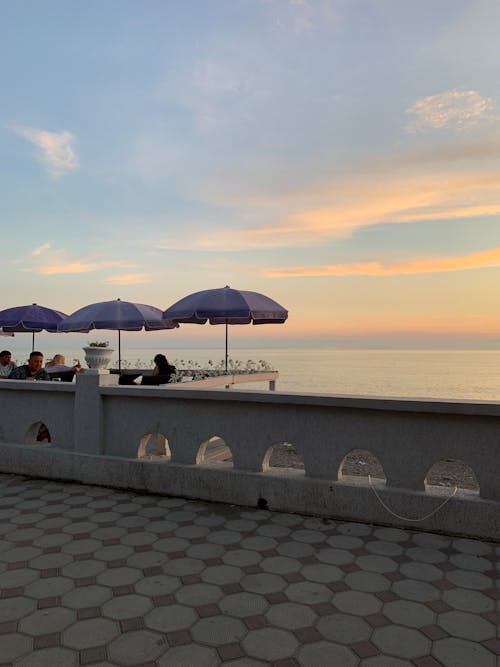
(32, 318)
(118, 316)
(225, 305)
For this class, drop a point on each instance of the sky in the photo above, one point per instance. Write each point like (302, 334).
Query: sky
(339, 156)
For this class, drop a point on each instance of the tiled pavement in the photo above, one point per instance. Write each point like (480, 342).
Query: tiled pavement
(93, 576)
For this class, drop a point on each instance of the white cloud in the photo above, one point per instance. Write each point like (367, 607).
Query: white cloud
(337, 211)
(477, 260)
(38, 251)
(128, 279)
(301, 16)
(49, 261)
(450, 109)
(57, 148)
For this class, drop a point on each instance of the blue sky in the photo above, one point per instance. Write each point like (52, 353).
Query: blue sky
(340, 156)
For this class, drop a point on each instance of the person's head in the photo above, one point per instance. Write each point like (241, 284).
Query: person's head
(58, 359)
(160, 360)
(5, 357)
(35, 362)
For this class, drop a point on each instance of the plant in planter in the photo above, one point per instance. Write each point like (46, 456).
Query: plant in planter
(98, 354)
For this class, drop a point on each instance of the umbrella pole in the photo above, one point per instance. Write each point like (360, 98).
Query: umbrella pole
(32, 341)
(119, 351)
(226, 345)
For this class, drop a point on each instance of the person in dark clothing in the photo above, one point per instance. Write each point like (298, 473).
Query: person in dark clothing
(162, 371)
(32, 370)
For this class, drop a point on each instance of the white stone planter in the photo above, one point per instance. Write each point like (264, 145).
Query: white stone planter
(98, 358)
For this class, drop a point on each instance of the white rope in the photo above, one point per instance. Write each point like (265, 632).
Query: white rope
(404, 518)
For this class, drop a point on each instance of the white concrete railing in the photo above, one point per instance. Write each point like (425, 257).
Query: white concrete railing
(98, 430)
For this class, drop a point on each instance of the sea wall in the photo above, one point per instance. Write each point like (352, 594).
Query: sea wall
(155, 439)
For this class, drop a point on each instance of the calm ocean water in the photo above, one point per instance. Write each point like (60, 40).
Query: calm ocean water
(458, 374)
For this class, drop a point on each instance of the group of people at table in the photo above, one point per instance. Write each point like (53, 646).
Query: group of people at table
(35, 370)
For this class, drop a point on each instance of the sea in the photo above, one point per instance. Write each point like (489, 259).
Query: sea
(416, 373)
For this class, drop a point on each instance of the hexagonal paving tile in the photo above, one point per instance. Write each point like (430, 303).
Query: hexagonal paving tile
(419, 591)
(221, 574)
(137, 648)
(195, 595)
(405, 612)
(263, 583)
(170, 618)
(467, 626)
(159, 584)
(86, 596)
(462, 653)
(243, 604)
(21, 577)
(256, 543)
(469, 579)
(190, 655)
(241, 557)
(54, 656)
(217, 630)
(385, 661)
(12, 609)
(344, 628)
(113, 552)
(84, 568)
(421, 571)
(369, 582)
(90, 632)
(383, 548)
(47, 621)
(357, 603)
(49, 587)
(119, 576)
(334, 556)
(322, 573)
(307, 592)
(290, 615)
(13, 646)
(206, 550)
(280, 565)
(467, 600)
(182, 567)
(401, 642)
(271, 644)
(126, 606)
(373, 563)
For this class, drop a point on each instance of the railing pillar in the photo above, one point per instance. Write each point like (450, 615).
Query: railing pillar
(88, 416)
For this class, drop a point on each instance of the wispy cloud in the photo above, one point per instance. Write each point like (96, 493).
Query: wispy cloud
(57, 148)
(38, 251)
(77, 267)
(301, 16)
(355, 203)
(128, 279)
(48, 261)
(450, 109)
(478, 260)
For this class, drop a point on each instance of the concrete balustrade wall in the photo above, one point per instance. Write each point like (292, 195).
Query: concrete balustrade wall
(98, 430)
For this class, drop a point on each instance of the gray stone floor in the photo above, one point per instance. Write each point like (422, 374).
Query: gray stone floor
(94, 576)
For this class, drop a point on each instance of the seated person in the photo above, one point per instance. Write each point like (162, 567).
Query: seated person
(6, 364)
(32, 370)
(162, 372)
(57, 365)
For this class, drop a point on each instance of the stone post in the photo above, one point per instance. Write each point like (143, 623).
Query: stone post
(88, 417)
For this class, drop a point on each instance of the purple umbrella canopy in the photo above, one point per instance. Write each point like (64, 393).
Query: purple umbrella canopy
(225, 305)
(32, 318)
(118, 316)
